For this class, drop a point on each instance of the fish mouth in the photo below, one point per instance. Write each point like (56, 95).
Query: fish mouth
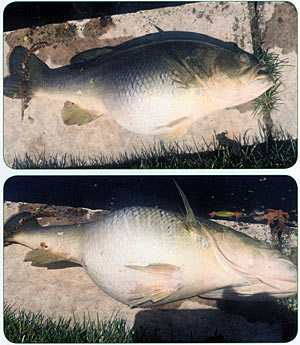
(254, 82)
(259, 72)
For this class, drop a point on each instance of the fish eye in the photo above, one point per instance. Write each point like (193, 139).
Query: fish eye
(244, 58)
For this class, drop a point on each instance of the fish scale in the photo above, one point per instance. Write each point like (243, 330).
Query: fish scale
(146, 256)
(159, 88)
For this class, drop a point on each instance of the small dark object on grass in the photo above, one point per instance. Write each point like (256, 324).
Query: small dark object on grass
(281, 152)
(233, 145)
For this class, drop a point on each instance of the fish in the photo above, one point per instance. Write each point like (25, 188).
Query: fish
(147, 256)
(158, 88)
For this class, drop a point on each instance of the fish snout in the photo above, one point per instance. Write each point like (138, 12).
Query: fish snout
(279, 274)
(260, 73)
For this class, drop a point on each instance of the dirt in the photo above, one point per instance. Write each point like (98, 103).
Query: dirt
(63, 40)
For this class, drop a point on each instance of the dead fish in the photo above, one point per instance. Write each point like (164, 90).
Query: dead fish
(145, 256)
(159, 88)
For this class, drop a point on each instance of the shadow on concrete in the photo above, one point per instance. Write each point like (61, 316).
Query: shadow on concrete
(57, 265)
(234, 321)
(154, 326)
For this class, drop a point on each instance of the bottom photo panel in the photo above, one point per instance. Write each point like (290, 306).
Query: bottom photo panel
(117, 259)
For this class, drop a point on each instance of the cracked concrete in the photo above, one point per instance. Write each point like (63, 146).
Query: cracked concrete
(42, 130)
(278, 26)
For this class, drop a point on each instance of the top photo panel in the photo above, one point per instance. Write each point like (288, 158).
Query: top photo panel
(142, 85)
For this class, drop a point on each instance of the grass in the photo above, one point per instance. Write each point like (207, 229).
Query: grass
(274, 152)
(269, 100)
(27, 327)
(288, 311)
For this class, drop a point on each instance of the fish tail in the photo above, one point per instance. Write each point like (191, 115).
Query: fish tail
(15, 223)
(26, 71)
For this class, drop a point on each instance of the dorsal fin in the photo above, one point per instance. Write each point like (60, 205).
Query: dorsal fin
(91, 54)
(158, 28)
(190, 218)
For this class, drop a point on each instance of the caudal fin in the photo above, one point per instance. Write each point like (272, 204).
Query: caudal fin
(26, 72)
(15, 223)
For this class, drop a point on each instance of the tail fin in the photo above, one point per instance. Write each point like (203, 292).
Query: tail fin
(26, 71)
(17, 222)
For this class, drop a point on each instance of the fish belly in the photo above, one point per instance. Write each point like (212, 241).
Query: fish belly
(133, 257)
(147, 257)
(156, 114)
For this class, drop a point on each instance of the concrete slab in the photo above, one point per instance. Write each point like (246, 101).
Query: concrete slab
(42, 130)
(67, 291)
(278, 26)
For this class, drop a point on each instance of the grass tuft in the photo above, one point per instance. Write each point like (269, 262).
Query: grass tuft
(288, 311)
(269, 100)
(28, 327)
(279, 151)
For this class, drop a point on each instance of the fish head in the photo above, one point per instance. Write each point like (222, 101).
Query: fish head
(267, 270)
(237, 78)
(276, 273)
(254, 270)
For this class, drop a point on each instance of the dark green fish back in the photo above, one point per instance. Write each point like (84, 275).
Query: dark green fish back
(26, 71)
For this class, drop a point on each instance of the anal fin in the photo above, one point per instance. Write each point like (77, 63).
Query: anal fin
(72, 114)
(166, 281)
(43, 257)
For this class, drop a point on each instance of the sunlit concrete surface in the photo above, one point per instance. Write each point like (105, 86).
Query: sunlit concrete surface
(42, 130)
(70, 292)
(278, 25)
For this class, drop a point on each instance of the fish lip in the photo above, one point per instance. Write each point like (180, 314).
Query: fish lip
(260, 72)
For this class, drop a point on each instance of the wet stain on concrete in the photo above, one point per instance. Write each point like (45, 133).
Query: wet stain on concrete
(236, 24)
(281, 29)
(243, 108)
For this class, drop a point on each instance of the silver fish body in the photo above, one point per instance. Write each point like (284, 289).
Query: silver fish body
(161, 260)
(156, 88)
(147, 256)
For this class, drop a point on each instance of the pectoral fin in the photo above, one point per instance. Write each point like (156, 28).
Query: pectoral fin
(72, 114)
(166, 281)
(176, 128)
(43, 257)
(183, 74)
